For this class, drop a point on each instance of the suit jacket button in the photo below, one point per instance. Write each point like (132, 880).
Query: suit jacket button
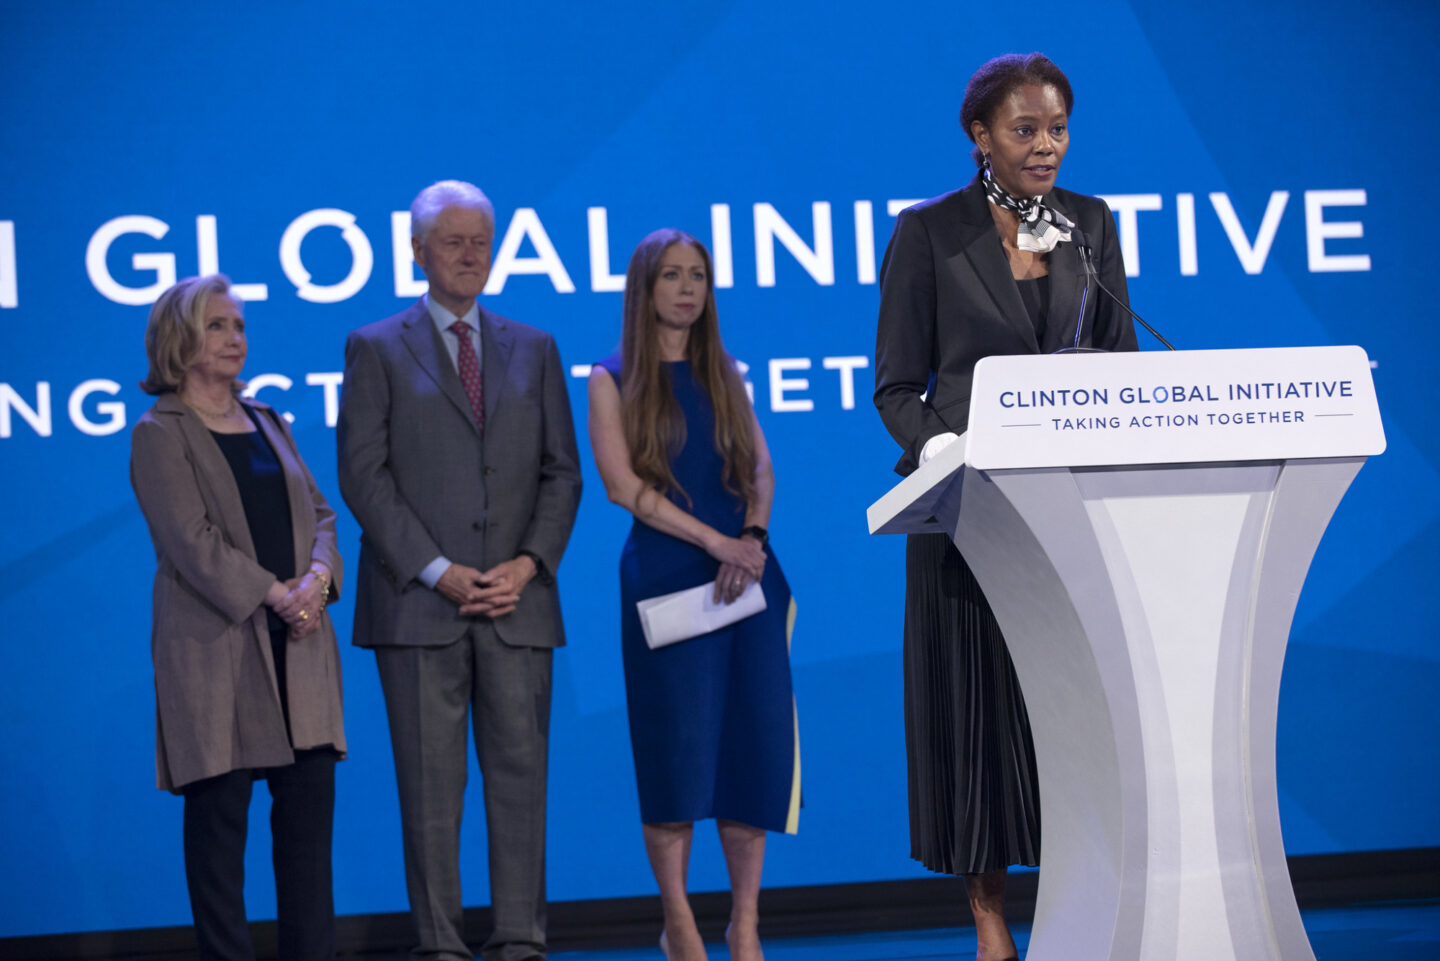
(488, 471)
(477, 526)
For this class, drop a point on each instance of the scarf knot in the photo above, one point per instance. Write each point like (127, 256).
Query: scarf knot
(1041, 227)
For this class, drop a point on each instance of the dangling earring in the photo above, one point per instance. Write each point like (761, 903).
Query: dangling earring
(985, 165)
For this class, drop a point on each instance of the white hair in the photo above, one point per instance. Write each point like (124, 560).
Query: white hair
(446, 193)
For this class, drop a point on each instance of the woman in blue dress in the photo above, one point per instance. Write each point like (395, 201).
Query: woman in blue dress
(712, 719)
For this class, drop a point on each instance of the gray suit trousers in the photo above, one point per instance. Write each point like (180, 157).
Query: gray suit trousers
(506, 692)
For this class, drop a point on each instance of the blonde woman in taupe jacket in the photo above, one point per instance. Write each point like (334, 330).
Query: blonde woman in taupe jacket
(247, 672)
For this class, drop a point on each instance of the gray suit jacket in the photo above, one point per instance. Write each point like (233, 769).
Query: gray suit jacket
(217, 698)
(423, 481)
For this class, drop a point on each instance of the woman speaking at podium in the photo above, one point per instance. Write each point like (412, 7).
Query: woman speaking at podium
(996, 267)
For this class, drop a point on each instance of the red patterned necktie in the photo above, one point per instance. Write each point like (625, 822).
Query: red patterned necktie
(470, 372)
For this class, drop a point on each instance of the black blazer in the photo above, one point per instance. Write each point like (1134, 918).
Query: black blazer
(948, 298)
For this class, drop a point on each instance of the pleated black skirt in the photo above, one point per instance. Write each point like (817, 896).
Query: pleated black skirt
(974, 794)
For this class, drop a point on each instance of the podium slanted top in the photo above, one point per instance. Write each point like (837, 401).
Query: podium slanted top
(909, 506)
(1185, 407)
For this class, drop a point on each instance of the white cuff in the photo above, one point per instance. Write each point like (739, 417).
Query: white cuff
(936, 444)
(431, 573)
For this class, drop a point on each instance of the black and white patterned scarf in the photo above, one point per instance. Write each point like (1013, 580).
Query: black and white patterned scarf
(1041, 227)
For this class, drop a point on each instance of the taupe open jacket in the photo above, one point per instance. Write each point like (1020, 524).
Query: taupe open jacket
(217, 699)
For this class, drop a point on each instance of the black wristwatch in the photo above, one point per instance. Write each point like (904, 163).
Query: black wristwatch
(757, 532)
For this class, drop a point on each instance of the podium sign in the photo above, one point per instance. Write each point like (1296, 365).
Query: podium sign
(1085, 410)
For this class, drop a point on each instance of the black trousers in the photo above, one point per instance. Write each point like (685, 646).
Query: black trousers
(301, 819)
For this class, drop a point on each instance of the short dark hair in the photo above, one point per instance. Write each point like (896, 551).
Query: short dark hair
(998, 78)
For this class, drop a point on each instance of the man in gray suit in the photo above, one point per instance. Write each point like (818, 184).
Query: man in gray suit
(457, 457)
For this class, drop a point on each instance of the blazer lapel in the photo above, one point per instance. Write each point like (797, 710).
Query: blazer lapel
(431, 356)
(213, 474)
(212, 471)
(987, 257)
(497, 341)
(1067, 292)
(296, 492)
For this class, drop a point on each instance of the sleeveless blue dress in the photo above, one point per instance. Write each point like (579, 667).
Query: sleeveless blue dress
(712, 719)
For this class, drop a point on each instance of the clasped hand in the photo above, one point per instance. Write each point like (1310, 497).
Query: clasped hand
(742, 560)
(492, 593)
(302, 606)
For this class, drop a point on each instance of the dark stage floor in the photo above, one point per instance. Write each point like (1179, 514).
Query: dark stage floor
(1400, 931)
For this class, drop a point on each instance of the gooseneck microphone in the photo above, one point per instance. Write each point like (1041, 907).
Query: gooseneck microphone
(1086, 259)
(1080, 319)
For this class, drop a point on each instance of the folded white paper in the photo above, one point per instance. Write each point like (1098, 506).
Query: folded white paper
(685, 614)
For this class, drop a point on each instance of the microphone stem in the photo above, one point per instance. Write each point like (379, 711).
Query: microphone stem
(1090, 269)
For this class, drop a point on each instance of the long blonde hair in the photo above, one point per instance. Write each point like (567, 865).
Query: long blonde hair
(654, 424)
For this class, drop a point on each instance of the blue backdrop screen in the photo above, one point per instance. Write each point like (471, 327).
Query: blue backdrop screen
(1264, 168)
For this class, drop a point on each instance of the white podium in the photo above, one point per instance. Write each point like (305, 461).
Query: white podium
(1142, 524)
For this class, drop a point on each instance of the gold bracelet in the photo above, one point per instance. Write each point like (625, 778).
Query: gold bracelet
(324, 578)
